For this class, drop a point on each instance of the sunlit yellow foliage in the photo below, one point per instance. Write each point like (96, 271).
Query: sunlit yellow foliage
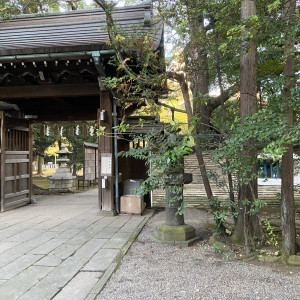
(52, 149)
(176, 100)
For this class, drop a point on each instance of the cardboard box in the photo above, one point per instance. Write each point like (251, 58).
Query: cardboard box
(132, 204)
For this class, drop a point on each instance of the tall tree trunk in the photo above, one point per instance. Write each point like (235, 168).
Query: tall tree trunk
(74, 163)
(248, 225)
(198, 67)
(40, 165)
(224, 119)
(199, 153)
(198, 70)
(287, 172)
(198, 150)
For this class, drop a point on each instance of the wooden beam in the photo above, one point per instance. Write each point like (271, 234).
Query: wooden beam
(67, 118)
(67, 114)
(49, 91)
(3, 142)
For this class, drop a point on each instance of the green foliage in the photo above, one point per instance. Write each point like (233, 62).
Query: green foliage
(269, 134)
(122, 127)
(75, 144)
(101, 130)
(42, 141)
(9, 8)
(256, 206)
(175, 154)
(216, 248)
(271, 237)
(218, 43)
(219, 213)
(228, 256)
(181, 208)
(165, 156)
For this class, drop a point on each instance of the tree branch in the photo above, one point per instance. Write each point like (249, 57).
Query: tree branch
(171, 107)
(179, 77)
(108, 9)
(133, 107)
(215, 102)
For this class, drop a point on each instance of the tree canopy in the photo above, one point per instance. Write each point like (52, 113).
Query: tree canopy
(241, 49)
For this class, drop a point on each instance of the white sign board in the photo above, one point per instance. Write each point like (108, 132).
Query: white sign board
(106, 164)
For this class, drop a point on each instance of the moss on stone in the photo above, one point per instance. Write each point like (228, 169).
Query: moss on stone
(175, 233)
(294, 260)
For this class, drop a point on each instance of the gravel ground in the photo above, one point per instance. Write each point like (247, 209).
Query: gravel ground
(154, 271)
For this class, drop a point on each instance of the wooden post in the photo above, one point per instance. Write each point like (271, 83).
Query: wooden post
(2, 160)
(265, 168)
(30, 148)
(278, 169)
(105, 146)
(271, 167)
(99, 164)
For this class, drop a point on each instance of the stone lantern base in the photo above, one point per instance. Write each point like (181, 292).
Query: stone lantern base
(174, 231)
(63, 185)
(182, 235)
(63, 181)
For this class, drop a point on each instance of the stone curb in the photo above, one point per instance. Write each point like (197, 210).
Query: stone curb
(98, 287)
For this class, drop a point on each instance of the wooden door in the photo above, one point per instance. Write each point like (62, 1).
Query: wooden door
(15, 162)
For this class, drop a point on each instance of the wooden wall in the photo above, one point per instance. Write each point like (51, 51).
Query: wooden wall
(194, 193)
(90, 163)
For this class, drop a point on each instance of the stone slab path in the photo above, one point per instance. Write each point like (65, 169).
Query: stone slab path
(62, 248)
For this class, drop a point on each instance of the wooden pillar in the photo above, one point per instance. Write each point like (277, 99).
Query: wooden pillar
(265, 168)
(30, 148)
(271, 167)
(2, 160)
(278, 169)
(105, 155)
(258, 169)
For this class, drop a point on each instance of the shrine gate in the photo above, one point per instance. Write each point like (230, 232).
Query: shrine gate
(49, 71)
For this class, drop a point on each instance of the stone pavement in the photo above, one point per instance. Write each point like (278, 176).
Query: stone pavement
(62, 248)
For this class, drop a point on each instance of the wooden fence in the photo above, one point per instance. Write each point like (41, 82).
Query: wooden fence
(194, 193)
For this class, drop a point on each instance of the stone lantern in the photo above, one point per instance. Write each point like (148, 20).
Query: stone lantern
(174, 230)
(63, 180)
